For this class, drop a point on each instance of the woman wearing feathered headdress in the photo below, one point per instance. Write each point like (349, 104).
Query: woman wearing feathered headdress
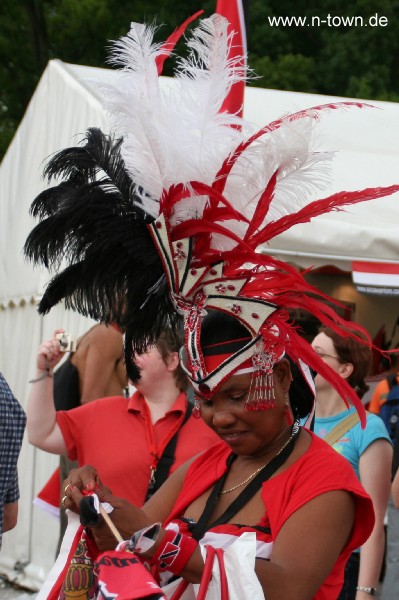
(162, 223)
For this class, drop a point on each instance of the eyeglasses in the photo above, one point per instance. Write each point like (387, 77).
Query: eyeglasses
(323, 355)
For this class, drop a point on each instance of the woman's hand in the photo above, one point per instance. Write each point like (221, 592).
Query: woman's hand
(127, 518)
(49, 353)
(83, 479)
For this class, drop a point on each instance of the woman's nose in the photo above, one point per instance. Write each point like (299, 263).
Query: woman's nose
(223, 418)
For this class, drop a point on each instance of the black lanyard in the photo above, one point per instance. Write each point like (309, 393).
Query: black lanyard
(167, 459)
(198, 529)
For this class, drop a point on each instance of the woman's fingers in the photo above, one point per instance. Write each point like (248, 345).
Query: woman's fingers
(49, 353)
(84, 478)
(80, 482)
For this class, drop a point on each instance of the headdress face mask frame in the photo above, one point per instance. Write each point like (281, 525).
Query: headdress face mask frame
(193, 290)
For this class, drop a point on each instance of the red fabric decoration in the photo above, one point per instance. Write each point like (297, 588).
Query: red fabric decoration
(233, 10)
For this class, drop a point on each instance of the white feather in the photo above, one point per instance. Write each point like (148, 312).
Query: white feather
(174, 134)
(301, 173)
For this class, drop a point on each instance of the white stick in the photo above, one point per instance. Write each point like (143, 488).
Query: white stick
(110, 524)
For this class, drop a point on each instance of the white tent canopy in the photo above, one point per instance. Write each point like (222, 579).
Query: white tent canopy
(66, 103)
(63, 106)
(366, 141)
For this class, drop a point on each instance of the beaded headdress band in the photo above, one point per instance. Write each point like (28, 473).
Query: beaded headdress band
(162, 218)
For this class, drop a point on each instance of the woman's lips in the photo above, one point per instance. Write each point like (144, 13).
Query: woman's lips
(232, 437)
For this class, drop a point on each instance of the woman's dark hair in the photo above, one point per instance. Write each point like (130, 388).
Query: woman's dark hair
(359, 355)
(170, 341)
(300, 394)
(220, 327)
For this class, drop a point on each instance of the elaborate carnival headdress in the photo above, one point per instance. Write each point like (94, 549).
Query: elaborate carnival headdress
(163, 217)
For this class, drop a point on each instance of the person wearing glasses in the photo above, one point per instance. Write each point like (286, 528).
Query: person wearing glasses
(368, 450)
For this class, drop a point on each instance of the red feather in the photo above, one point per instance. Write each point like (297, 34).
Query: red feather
(170, 43)
(262, 207)
(320, 207)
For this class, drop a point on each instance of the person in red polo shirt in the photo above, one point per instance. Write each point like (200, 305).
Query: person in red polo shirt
(124, 437)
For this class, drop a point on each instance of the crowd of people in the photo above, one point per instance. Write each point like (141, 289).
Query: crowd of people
(159, 405)
(160, 227)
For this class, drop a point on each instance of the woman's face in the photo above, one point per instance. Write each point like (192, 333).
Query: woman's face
(324, 347)
(248, 433)
(152, 366)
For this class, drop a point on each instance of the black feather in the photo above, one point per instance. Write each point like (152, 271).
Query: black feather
(93, 233)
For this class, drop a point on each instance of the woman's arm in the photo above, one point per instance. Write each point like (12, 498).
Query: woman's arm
(10, 515)
(43, 430)
(127, 518)
(395, 489)
(307, 547)
(375, 476)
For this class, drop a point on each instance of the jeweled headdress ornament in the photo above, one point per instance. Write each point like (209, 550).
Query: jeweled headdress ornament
(161, 218)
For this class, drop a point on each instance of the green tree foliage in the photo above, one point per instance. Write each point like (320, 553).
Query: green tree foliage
(325, 58)
(354, 52)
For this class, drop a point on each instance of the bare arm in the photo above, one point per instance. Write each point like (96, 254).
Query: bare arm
(43, 430)
(375, 476)
(302, 557)
(395, 489)
(10, 515)
(105, 349)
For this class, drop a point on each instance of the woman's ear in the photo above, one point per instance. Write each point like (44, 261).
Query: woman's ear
(172, 361)
(282, 371)
(345, 370)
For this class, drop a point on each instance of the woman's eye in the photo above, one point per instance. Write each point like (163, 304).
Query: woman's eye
(239, 397)
(207, 402)
(203, 401)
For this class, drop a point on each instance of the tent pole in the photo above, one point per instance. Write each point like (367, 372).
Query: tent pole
(300, 254)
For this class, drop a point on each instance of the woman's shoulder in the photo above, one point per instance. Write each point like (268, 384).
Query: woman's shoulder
(319, 470)
(375, 430)
(320, 455)
(375, 427)
(374, 421)
(216, 454)
(106, 405)
(210, 464)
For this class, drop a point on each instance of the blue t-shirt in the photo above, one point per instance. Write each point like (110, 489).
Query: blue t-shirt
(353, 443)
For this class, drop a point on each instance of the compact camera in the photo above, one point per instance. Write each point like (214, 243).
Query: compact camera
(67, 342)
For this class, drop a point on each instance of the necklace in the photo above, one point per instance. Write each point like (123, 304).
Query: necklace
(258, 470)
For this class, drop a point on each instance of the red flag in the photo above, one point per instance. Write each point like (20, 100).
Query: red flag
(233, 10)
(121, 575)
